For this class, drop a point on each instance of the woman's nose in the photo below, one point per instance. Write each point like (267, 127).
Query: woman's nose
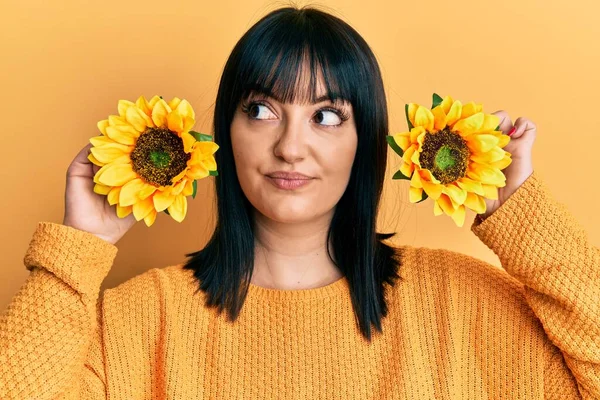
(291, 144)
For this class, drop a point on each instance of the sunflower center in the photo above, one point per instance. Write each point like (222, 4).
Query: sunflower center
(445, 154)
(158, 156)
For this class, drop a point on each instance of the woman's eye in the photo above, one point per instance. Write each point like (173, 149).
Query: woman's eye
(326, 116)
(255, 111)
(332, 120)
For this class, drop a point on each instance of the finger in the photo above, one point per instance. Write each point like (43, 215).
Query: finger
(505, 124)
(523, 125)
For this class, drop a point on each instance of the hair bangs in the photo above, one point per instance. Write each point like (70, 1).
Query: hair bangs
(287, 62)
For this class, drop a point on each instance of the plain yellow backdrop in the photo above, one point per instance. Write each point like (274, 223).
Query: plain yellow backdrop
(65, 65)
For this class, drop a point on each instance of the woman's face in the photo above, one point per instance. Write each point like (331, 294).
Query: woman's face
(312, 139)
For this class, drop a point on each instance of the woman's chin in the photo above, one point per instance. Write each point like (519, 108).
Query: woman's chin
(289, 215)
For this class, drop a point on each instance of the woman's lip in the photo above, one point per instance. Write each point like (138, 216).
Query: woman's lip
(289, 184)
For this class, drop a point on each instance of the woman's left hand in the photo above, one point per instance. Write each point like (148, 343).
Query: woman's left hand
(521, 167)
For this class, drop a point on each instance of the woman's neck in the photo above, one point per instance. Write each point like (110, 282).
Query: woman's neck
(292, 256)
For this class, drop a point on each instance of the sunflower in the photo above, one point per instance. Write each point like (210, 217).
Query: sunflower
(150, 159)
(453, 154)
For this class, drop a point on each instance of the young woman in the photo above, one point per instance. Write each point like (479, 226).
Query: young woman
(298, 267)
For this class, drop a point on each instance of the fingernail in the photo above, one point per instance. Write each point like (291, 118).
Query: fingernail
(512, 131)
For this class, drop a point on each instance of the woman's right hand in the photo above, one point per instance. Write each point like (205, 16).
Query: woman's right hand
(89, 211)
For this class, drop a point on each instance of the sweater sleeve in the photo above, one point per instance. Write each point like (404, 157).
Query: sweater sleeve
(51, 333)
(540, 243)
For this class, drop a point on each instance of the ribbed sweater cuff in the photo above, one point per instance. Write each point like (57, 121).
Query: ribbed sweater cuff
(80, 259)
(530, 228)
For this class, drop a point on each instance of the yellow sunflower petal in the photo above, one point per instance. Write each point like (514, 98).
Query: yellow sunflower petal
(457, 194)
(446, 104)
(415, 180)
(189, 188)
(407, 169)
(152, 102)
(437, 210)
(485, 174)
(470, 185)
(445, 204)
(426, 174)
(210, 163)
(174, 102)
(160, 112)
(503, 140)
(143, 105)
(475, 203)
(415, 157)
(122, 212)
(117, 174)
(402, 139)
(408, 153)
(433, 190)
(101, 189)
(163, 199)
(116, 120)
(439, 118)
(459, 216)
(178, 188)
(495, 154)
(150, 218)
(184, 108)
(505, 162)
(146, 190)
(94, 161)
(124, 106)
(124, 134)
(138, 119)
(188, 141)
(178, 209)
(113, 195)
(415, 194)
(142, 208)
(415, 133)
(110, 152)
(412, 111)
(175, 122)
(469, 125)
(102, 126)
(454, 113)
(208, 147)
(490, 122)
(481, 142)
(100, 140)
(424, 118)
(179, 176)
(129, 192)
(469, 109)
(197, 171)
(491, 192)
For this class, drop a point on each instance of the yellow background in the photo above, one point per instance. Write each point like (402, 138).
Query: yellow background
(64, 67)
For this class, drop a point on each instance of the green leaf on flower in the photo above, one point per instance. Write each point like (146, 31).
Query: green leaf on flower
(213, 173)
(201, 137)
(400, 175)
(497, 128)
(437, 100)
(394, 145)
(195, 186)
(410, 126)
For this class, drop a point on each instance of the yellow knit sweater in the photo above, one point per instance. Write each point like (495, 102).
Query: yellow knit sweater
(458, 328)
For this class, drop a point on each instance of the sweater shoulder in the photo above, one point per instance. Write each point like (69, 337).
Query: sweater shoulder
(468, 276)
(142, 299)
